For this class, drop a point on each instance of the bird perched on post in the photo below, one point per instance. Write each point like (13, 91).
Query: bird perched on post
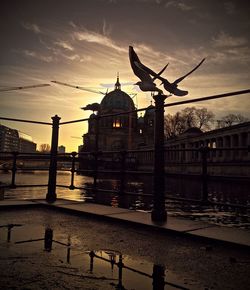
(146, 83)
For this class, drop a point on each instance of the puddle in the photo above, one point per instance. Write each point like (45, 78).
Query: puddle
(117, 270)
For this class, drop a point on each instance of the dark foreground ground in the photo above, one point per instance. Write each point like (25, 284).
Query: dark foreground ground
(186, 263)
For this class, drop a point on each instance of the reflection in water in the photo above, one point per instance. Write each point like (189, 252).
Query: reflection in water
(158, 277)
(106, 264)
(139, 188)
(9, 228)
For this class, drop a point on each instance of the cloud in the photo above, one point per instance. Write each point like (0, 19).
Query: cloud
(106, 29)
(239, 55)
(225, 40)
(35, 55)
(97, 38)
(179, 4)
(32, 27)
(77, 57)
(229, 7)
(64, 45)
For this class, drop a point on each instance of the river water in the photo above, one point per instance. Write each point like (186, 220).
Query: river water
(221, 191)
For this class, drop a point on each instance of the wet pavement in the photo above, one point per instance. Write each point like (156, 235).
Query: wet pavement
(42, 248)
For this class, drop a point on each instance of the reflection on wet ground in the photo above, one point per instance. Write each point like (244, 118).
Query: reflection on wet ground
(46, 249)
(119, 270)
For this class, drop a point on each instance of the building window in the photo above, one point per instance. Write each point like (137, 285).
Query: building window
(117, 123)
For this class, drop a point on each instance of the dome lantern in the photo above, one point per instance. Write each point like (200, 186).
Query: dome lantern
(117, 84)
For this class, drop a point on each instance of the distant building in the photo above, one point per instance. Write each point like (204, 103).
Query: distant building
(61, 149)
(26, 145)
(9, 139)
(182, 155)
(235, 136)
(120, 132)
(14, 140)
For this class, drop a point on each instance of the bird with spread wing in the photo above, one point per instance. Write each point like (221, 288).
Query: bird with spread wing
(147, 82)
(145, 73)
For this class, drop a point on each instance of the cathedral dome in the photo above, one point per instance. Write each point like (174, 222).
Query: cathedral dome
(117, 99)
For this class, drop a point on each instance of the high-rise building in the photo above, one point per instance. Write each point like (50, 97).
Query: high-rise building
(14, 140)
(9, 139)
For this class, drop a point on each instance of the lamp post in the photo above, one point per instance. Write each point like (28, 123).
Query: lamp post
(159, 213)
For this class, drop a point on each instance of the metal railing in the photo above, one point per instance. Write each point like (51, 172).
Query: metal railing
(158, 170)
(97, 165)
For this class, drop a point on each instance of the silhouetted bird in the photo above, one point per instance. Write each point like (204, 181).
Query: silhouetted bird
(93, 107)
(143, 73)
(170, 87)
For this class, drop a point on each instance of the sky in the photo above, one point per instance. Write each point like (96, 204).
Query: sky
(85, 43)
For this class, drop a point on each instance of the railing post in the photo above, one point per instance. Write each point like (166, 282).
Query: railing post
(51, 195)
(13, 170)
(204, 152)
(159, 213)
(122, 172)
(73, 170)
(95, 175)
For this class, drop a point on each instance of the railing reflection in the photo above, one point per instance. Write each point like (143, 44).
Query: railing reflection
(112, 257)
(124, 167)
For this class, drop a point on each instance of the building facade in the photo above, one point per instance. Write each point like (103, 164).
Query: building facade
(121, 131)
(229, 154)
(14, 140)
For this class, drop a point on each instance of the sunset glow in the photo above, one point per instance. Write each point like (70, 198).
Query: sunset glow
(85, 43)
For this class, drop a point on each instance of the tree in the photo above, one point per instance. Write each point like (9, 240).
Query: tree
(45, 148)
(187, 118)
(231, 119)
(174, 125)
(204, 118)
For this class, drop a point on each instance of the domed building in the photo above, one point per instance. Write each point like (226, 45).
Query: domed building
(121, 131)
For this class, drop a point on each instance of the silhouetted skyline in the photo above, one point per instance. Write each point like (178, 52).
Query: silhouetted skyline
(86, 42)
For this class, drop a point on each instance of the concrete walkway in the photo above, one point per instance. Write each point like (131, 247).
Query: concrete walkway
(175, 225)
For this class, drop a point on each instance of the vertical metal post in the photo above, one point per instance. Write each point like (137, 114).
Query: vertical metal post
(51, 195)
(204, 152)
(13, 170)
(122, 172)
(73, 154)
(159, 213)
(96, 153)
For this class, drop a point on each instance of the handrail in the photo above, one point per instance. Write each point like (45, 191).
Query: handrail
(123, 156)
(166, 105)
(25, 121)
